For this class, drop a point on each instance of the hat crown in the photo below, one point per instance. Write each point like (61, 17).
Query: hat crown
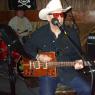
(54, 5)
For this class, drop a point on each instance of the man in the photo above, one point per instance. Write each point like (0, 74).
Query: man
(21, 24)
(49, 38)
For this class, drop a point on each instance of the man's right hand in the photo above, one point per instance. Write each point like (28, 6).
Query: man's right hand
(43, 58)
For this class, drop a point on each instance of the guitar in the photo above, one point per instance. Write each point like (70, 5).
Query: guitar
(30, 68)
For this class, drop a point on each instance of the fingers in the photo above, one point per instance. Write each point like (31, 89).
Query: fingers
(79, 64)
(43, 58)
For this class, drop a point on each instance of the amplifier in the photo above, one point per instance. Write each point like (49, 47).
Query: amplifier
(91, 46)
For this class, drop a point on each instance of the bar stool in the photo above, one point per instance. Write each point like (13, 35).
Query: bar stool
(64, 90)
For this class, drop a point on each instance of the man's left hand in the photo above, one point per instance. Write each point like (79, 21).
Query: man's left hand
(79, 65)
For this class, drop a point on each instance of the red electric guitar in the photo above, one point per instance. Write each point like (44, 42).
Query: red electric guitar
(30, 68)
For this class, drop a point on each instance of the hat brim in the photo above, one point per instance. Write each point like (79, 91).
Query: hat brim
(44, 12)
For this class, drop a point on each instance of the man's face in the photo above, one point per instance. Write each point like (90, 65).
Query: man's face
(20, 13)
(58, 15)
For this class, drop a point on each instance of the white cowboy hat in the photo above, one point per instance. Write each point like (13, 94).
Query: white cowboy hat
(53, 5)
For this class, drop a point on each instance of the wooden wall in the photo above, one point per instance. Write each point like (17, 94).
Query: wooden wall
(5, 16)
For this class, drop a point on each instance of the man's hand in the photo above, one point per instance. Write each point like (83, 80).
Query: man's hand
(79, 64)
(43, 58)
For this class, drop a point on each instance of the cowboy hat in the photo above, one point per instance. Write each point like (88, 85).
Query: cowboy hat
(53, 5)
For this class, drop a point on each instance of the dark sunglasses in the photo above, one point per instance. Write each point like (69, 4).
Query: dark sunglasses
(56, 15)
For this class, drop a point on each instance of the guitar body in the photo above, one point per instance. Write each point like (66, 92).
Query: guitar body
(36, 69)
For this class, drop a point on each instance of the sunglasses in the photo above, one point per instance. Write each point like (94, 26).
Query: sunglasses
(56, 15)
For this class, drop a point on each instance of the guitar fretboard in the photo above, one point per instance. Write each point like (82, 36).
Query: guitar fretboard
(57, 64)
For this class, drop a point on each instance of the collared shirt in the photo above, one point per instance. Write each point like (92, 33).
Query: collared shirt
(45, 40)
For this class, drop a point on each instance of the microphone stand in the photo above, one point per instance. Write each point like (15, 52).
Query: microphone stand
(56, 22)
(80, 53)
(12, 78)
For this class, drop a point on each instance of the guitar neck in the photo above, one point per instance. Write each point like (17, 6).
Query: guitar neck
(61, 64)
(67, 64)
(58, 64)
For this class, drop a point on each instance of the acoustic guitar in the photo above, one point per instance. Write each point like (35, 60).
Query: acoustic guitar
(31, 68)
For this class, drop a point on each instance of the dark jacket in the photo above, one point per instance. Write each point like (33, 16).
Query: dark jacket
(45, 41)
